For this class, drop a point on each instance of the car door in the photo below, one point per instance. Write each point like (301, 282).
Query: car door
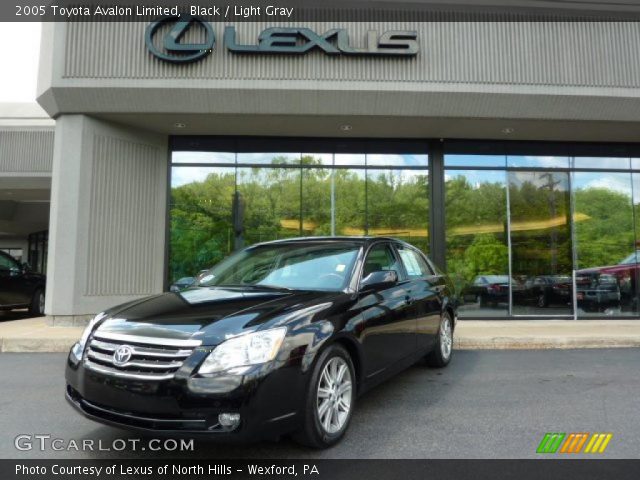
(388, 334)
(11, 279)
(425, 289)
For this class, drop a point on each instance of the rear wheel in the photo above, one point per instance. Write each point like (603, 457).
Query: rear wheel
(440, 356)
(37, 303)
(330, 399)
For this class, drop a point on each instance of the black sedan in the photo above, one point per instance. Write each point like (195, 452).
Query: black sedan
(279, 338)
(20, 287)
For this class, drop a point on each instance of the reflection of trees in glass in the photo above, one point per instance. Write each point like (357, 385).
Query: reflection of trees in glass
(476, 227)
(201, 233)
(605, 235)
(292, 201)
(272, 202)
(399, 205)
(540, 223)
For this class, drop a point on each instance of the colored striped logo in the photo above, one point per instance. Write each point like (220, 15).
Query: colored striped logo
(574, 442)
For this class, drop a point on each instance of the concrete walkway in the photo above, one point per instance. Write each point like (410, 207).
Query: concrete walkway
(34, 335)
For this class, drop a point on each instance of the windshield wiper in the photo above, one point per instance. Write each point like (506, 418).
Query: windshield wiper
(272, 287)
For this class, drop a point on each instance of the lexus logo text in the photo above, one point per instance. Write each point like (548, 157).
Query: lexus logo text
(275, 40)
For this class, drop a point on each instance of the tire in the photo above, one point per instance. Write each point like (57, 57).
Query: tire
(442, 352)
(36, 308)
(314, 432)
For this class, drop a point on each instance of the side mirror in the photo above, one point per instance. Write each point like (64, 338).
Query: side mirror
(379, 279)
(25, 267)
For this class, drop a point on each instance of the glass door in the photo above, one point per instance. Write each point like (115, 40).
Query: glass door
(541, 243)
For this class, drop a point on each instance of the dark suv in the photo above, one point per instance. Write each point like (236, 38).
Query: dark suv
(20, 287)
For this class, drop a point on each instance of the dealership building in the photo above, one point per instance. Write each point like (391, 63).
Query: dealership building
(506, 148)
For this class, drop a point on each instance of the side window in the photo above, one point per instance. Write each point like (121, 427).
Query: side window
(413, 262)
(7, 263)
(380, 257)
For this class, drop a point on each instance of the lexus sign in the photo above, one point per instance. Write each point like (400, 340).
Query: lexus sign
(272, 40)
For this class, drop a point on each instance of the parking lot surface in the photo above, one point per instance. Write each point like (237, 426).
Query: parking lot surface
(486, 404)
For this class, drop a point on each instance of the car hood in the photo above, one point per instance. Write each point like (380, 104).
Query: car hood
(211, 314)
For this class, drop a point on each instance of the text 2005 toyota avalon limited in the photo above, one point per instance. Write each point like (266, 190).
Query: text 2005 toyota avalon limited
(278, 338)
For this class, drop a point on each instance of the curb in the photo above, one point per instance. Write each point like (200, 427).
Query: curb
(541, 343)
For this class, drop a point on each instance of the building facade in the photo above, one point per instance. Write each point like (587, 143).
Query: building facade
(26, 154)
(505, 148)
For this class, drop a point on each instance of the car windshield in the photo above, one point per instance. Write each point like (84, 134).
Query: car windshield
(295, 266)
(633, 258)
(495, 279)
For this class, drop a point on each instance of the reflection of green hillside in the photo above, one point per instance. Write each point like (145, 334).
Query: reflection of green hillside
(603, 228)
(289, 202)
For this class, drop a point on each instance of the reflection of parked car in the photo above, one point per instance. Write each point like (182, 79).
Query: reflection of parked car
(487, 290)
(597, 291)
(627, 279)
(20, 287)
(545, 290)
(181, 284)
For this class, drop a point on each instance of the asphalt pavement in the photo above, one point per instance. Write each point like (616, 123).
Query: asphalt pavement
(486, 404)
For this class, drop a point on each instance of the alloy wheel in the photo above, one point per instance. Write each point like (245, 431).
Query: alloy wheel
(334, 395)
(446, 337)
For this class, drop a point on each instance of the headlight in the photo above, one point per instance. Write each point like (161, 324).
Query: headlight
(78, 348)
(244, 350)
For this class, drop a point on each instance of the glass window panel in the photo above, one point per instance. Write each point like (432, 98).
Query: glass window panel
(537, 161)
(602, 163)
(635, 163)
(631, 289)
(399, 205)
(406, 160)
(201, 218)
(350, 201)
(203, 157)
(271, 198)
(605, 237)
(325, 159)
(317, 201)
(541, 247)
(477, 242)
(475, 160)
(357, 159)
(269, 158)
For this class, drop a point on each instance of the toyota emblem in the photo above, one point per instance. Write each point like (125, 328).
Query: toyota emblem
(122, 355)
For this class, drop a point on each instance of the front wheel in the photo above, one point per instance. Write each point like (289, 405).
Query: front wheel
(331, 396)
(440, 356)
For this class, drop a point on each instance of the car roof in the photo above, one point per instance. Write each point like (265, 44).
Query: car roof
(363, 240)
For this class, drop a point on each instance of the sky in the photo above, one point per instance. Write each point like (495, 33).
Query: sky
(19, 65)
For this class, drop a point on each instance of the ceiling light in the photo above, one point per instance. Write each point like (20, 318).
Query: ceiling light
(346, 128)
(180, 125)
(508, 130)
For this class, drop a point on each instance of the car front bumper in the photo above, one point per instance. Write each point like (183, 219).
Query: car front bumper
(268, 400)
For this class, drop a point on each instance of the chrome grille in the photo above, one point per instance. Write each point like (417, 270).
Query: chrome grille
(151, 358)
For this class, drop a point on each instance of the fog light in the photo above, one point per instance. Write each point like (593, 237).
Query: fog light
(229, 420)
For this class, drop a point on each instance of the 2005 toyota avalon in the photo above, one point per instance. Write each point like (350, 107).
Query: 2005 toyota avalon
(279, 338)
